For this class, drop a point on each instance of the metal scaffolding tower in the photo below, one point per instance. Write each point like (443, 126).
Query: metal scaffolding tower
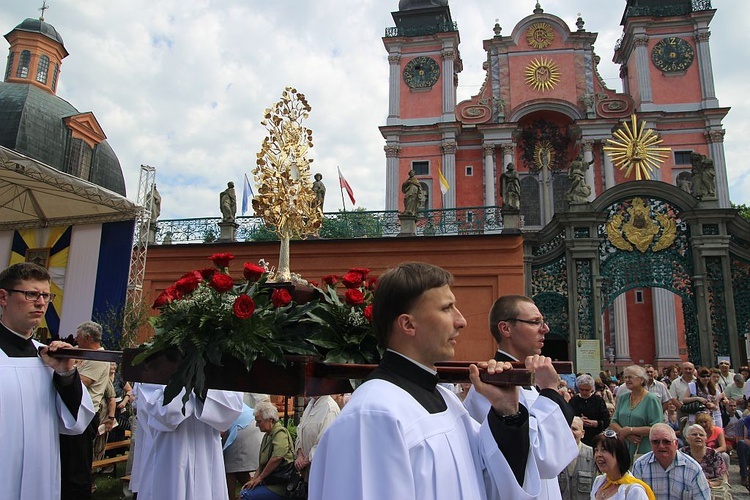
(146, 185)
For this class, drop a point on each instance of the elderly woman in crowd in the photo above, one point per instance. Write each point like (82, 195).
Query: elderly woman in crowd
(704, 390)
(613, 460)
(711, 462)
(276, 450)
(590, 407)
(636, 412)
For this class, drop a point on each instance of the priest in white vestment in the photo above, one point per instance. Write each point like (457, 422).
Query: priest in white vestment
(402, 436)
(179, 455)
(519, 329)
(40, 396)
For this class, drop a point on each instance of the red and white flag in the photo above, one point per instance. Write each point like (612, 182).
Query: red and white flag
(345, 185)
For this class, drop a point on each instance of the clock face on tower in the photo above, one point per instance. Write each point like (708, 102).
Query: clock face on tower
(421, 72)
(672, 54)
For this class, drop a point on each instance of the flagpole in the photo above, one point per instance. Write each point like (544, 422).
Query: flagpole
(341, 188)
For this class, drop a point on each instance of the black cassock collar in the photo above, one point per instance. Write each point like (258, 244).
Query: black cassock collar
(418, 382)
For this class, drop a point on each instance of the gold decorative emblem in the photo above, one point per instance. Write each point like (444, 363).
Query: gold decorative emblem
(544, 154)
(540, 35)
(639, 229)
(542, 74)
(636, 148)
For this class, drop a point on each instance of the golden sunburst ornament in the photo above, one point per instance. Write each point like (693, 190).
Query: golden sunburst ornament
(636, 148)
(540, 35)
(542, 74)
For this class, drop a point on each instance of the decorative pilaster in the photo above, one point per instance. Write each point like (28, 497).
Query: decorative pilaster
(588, 156)
(665, 326)
(449, 171)
(394, 88)
(705, 69)
(642, 60)
(392, 184)
(622, 342)
(609, 172)
(489, 176)
(449, 89)
(715, 139)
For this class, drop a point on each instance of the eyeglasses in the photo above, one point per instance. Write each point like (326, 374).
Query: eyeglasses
(663, 442)
(33, 296)
(535, 322)
(609, 433)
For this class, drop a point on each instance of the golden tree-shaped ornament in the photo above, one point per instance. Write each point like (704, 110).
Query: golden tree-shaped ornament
(635, 148)
(285, 198)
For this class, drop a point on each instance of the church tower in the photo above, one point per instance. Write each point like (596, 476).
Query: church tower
(665, 65)
(36, 54)
(421, 128)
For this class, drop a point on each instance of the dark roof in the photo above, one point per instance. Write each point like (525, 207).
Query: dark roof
(37, 26)
(31, 122)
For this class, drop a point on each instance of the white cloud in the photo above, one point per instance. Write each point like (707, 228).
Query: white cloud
(182, 85)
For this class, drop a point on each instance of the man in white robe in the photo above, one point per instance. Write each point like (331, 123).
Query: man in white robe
(179, 455)
(40, 396)
(519, 329)
(402, 436)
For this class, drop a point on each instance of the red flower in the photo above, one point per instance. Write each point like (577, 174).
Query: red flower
(221, 260)
(363, 271)
(352, 279)
(253, 272)
(189, 282)
(313, 283)
(207, 273)
(280, 297)
(167, 296)
(354, 297)
(372, 283)
(221, 282)
(244, 306)
(331, 279)
(368, 312)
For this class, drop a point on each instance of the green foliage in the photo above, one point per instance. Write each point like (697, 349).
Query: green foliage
(121, 324)
(743, 210)
(209, 236)
(352, 224)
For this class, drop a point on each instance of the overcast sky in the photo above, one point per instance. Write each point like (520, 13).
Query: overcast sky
(182, 85)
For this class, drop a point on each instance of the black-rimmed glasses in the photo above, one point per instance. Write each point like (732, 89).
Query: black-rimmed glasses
(33, 295)
(535, 322)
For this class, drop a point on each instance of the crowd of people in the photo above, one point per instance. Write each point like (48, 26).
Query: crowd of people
(638, 434)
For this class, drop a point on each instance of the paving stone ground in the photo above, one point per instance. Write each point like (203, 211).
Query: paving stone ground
(739, 492)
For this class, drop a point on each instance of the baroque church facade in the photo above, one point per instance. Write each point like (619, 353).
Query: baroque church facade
(650, 268)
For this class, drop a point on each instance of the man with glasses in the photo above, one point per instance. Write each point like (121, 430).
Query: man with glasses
(669, 472)
(519, 329)
(40, 396)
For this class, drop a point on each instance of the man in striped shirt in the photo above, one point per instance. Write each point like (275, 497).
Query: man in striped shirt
(670, 473)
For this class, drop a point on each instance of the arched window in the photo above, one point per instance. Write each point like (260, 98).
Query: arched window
(531, 206)
(23, 65)
(426, 193)
(9, 67)
(54, 77)
(42, 70)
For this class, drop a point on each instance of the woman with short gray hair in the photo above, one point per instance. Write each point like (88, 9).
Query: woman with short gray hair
(590, 407)
(276, 451)
(636, 412)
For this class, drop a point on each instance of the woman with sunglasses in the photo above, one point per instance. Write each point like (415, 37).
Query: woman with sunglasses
(613, 460)
(704, 390)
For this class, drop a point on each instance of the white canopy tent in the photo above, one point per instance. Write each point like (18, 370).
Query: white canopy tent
(35, 195)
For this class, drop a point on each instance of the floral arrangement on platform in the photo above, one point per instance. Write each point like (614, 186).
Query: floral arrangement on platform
(205, 315)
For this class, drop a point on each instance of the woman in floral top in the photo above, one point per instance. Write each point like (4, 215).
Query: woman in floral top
(711, 462)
